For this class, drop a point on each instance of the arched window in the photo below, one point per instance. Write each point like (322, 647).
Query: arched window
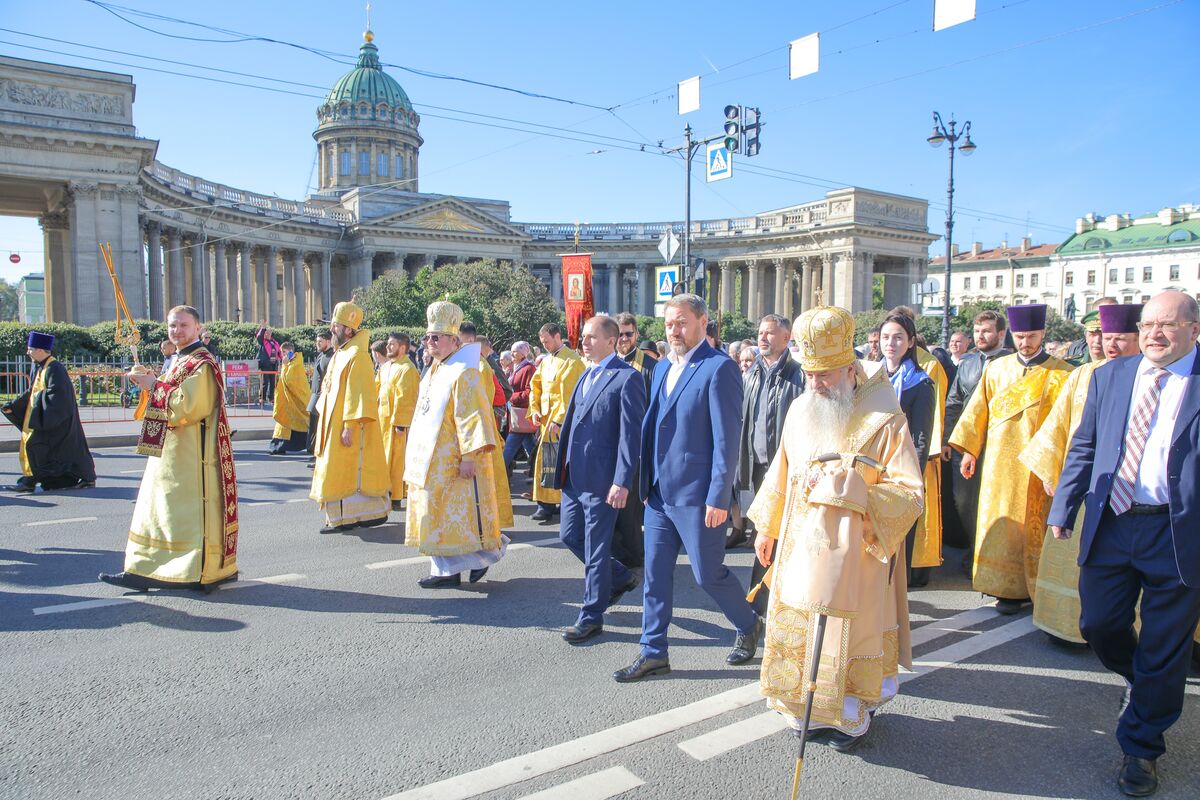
(383, 165)
(345, 163)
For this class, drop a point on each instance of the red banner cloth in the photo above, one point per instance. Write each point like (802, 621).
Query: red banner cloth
(577, 293)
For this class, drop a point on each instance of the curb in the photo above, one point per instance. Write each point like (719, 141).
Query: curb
(131, 439)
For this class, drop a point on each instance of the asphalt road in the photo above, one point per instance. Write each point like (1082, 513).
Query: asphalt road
(326, 672)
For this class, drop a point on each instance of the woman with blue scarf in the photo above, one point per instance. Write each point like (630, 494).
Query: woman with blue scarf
(917, 396)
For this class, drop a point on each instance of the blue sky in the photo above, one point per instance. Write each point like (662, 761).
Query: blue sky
(1075, 107)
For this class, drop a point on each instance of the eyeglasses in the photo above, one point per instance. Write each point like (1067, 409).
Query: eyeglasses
(1165, 327)
(627, 334)
(432, 337)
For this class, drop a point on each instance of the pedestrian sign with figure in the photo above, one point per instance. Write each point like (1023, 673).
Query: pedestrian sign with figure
(718, 163)
(664, 282)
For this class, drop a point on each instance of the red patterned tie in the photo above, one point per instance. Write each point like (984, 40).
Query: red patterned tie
(1121, 497)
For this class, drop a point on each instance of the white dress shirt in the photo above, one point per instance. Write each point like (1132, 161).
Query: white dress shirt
(1152, 487)
(593, 374)
(678, 365)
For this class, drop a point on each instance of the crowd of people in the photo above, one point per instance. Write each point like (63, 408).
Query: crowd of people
(1070, 486)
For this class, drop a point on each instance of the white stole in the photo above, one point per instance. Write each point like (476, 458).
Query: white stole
(436, 385)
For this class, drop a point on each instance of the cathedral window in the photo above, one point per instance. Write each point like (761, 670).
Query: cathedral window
(383, 165)
(364, 163)
(345, 163)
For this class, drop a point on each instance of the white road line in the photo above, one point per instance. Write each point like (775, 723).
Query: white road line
(941, 627)
(259, 503)
(597, 786)
(59, 521)
(131, 471)
(585, 748)
(730, 737)
(299, 500)
(84, 605)
(401, 562)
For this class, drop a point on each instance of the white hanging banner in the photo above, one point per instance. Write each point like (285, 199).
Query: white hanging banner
(804, 56)
(948, 13)
(689, 95)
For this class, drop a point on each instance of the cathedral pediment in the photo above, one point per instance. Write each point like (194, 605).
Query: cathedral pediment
(447, 214)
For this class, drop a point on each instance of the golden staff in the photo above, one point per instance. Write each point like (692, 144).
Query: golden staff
(132, 336)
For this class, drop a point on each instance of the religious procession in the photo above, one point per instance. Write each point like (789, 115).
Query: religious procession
(843, 468)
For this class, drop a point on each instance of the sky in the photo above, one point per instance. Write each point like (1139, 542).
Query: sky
(1075, 107)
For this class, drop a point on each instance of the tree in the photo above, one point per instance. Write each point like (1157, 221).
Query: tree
(8, 301)
(1061, 329)
(735, 327)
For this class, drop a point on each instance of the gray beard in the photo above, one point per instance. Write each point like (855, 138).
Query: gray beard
(824, 420)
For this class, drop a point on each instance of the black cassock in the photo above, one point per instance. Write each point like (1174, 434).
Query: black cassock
(57, 449)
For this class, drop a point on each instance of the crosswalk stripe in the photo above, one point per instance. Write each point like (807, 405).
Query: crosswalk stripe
(597, 786)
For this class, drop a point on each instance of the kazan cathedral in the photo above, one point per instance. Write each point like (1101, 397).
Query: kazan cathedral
(70, 155)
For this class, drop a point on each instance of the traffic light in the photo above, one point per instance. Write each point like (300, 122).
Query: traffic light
(751, 129)
(733, 128)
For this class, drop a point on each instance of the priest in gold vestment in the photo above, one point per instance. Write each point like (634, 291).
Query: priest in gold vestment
(1056, 595)
(398, 381)
(491, 390)
(452, 513)
(839, 496)
(185, 526)
(290, 409)
(350, 478)
(549, 393)
(1012, 400)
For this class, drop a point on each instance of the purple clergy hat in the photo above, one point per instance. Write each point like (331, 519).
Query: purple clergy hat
(41, 341)
(1022, 319)
(1121, 318)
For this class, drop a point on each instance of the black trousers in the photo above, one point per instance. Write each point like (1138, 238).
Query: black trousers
(312, 433)
(1133, 556)
(960, 532)
(628, 546)
(758, 570)
(268, 387)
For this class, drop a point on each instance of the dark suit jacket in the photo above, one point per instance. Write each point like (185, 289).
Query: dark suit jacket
(1098, 447)
(918, 404)
(696, 431)
(785, 384)
(602, 433)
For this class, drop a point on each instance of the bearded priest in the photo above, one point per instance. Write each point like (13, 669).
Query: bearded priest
(350, 479)
(839, 497)
(453, 512)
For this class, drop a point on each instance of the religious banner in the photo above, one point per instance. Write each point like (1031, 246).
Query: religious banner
(577, 292)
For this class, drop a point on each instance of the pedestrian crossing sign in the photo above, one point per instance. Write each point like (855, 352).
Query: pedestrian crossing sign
(665, 279)
(719, 162)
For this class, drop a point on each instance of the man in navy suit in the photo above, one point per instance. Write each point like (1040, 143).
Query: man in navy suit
(597, 461)
(1133, 466)
(689, 457)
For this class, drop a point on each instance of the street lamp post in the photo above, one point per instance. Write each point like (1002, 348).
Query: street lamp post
(947, 133)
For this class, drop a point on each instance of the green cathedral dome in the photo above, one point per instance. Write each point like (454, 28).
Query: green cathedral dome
(368, 83)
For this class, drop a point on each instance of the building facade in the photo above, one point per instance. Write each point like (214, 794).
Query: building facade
(31, 298)
(69, 154)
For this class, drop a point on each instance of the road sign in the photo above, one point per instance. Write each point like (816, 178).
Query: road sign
(668, 245)
(664, 282)
(14, 258)
(718, 163)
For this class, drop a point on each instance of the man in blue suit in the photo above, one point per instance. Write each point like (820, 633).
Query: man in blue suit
(1133, 466)
(689, 457)
(597, 461)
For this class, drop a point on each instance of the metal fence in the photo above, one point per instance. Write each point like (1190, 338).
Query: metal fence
(105, 393)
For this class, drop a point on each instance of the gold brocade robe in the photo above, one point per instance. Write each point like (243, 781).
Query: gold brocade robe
(1004, 413)
(1056, 594)
(449, 515)
(549, 392)
(504, 507)
(398, 385)
(177, 532)
(927, 545)
(349, 399)
(832, 561)
(292, 391)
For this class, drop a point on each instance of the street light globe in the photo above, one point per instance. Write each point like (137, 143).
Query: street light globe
(967, 147)
(936, 138)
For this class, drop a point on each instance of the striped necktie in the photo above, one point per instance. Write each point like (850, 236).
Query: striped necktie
(1121, 496)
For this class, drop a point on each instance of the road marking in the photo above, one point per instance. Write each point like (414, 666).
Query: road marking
(949, 710)
(59, 521)
(259, 503)
(941, 627)
(585, 748)
(401, 562)
(84, 605)
(730, 737)
(299, 500)
(597, 786)
(132, 471)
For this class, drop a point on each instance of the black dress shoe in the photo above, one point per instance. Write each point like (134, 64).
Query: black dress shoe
(372, 523)
(22, 486)
(209, 588)
(581, 633)
(140, 583)
(842, 742)
(1126, 699)
(746, 644)
(1139, 777)
(619, 591)
(735, 538)
(476, 575)
(642, 667)
(1009, 607)
(541, 515)
(397, 505)
(440, 581)
(1066, 644)
(335, 528)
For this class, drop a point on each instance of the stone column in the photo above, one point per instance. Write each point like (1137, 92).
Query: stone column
(298, 297)
(648, 291)
(231, 279)
(154, 269)
(270, 273)
(754, 290)
(556, 287)
(176, 285)
(614, 289)
(246, 273)
(320, 284)
(200, 292)
(57, 268)
(289, 289)
(806, 282)
(827, 296)
(220, 281)
(83, 232)
(727, 300)
(783, 293)
(360, 270)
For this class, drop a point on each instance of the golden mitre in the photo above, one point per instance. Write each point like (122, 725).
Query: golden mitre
(443, 317)
(826, 338)
(348, 314)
